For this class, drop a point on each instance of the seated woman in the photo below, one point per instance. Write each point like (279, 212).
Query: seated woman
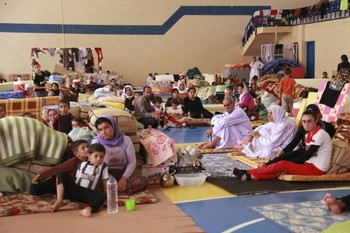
(312, 158)
(51, 116)
(128, 93)
(193, 106)
(229, 127)
(266, 140)
(175, 95)
(246, 100)
(120, 155)
(183, 91)
(328, 127)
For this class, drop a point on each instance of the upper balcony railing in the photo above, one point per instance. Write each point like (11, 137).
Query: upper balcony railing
(324, 11)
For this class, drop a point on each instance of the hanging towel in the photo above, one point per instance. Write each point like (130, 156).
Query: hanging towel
(344, 5)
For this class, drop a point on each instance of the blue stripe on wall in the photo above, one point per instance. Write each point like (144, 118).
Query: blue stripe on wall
(131, 29)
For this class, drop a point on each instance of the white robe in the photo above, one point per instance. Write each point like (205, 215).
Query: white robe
(255, 69)
(230, 127)
(274, 137)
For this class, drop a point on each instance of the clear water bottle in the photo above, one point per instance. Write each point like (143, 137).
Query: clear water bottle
(112, 196)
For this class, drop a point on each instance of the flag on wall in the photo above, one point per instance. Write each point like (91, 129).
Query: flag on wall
(344, 5)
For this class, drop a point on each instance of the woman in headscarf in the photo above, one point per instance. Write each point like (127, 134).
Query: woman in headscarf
(266, 140)
(51, 115)
(246, 102)
(128, 93)
(183, 91)
(120, 155)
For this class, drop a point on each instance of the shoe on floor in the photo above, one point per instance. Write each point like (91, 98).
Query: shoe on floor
(241, 174)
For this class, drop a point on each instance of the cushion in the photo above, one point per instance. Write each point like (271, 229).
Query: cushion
(334, 177)
(14, 180)
(127, 123)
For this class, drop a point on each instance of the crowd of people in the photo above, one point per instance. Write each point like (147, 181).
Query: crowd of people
(288, 148)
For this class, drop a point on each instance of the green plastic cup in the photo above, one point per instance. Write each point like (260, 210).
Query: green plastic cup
(130, 205)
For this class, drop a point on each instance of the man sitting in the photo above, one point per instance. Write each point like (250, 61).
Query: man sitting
(143, 110)
(229, 127)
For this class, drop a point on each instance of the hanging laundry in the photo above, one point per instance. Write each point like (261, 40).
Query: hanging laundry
(51, 51)
(344, 5)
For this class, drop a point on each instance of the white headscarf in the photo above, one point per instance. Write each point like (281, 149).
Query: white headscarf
(132, 92)
(245, 91)
(278, 113)
(182, 91)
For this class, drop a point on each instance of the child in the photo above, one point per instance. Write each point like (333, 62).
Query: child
(63, 121)
(85, 188)
(51, 92)
(29, 91)
(253, 87)
(28, 114)
(80, 130)
(45, 182)
(2, 111)
(174, 114)
(158, 110)
(287, 86)
(40, 79)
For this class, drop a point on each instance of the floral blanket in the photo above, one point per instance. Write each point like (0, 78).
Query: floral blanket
(159, 146)
(20, 204)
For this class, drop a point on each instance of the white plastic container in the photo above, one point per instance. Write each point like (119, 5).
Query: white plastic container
(191, 179)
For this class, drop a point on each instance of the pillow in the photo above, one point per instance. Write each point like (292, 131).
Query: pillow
(13, 180)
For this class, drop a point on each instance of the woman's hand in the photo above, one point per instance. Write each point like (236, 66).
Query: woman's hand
(122, 184)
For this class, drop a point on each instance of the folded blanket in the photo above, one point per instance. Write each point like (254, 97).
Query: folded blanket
(26, 138)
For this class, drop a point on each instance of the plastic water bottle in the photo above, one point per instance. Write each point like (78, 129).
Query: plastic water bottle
(112, 196)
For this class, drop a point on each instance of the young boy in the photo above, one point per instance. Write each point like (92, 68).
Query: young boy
(63, 121)
(45, 182)
(89, 176)
(40, 79)
(287, 86)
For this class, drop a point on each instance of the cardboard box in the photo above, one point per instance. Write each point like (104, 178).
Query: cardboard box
(153, 174)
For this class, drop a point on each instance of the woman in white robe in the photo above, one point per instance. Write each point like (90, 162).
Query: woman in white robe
(266, 140)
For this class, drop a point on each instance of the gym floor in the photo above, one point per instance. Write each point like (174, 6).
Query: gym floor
(216, 210)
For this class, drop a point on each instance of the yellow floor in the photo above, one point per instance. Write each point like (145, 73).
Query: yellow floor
(206, 191)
